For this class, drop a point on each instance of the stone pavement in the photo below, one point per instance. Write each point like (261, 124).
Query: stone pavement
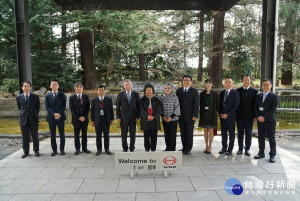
(88, 177)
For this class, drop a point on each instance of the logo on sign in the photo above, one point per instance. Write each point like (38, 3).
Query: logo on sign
(170, 160)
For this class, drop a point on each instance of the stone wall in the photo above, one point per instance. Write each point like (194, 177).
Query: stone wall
(9, 108)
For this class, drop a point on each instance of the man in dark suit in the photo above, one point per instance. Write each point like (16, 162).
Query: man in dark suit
(29, 107)
(102, 115)
(265, 107)
(245, 115)
(80, 107)
(229, 103)
(128, 112)
(189, 107)
(55, 104)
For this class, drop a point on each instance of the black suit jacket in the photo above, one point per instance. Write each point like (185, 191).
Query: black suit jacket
(231, 104)
(126, 111)
(75, 107)
(270, 106)
(108, 110)
(189, 103)
(247, 100)
(30, 113)
(58, 107)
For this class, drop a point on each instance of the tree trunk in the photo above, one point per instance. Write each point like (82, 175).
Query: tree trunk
(63, 36)
(201, 37)
(287, 73)
(142, 72)
(217, 59)
(86, 42)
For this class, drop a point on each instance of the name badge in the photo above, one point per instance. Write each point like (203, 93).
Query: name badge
(261, 109)
(101, 112)
(206, 107)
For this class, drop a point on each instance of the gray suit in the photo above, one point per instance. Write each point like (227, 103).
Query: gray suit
(128, 112)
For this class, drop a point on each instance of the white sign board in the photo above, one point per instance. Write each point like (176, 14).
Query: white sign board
(167, 160)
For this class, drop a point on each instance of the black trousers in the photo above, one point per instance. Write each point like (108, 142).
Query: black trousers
(61, 128)
(170, 129)
(132, 132)
(228, 125)
(186, 132)
(244, 126)
(27, 130)
(266, 129)
(79, 125)
(150, 139)
(103, 127)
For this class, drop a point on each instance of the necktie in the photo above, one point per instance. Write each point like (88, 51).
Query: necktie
(55, 98)
(128, 97)
(225, 97)
(185, 91)
(27, 100)
(264, 97)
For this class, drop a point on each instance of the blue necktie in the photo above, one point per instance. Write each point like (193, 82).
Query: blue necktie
(264, 97)
(128, 96)
(27, 100)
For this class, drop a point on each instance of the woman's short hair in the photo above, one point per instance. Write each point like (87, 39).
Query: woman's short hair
(208, 80)
(148, 85)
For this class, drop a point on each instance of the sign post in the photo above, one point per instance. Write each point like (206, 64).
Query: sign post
(134, 161)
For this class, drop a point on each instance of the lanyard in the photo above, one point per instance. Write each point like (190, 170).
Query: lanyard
(101, 105)
(207, 99)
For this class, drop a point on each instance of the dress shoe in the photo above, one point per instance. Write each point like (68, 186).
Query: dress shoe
(239, 152)
(272, 159)
(229, 153)
(181, 150)
(247, 153)
(62, 153)
(204, 151)
(258, 156)
(77, 152)
(222, 151)
(53, 153)
(24, 155)
(98, 153)
(86, 151)
(187, 153)
(131, 150)
(108, 152)
(147, 150)
(125, 150)
(208, 152)
(37, 154)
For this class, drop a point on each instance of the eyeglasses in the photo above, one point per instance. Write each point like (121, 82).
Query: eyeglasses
(186, 80)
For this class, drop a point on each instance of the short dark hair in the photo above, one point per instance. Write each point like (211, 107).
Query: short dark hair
(26, 82)
(228, 77)
(208, 80)
(101, 86)
(148, 85)
(54, 80)
(267, 80)
(187, 76)
(246, 75)
(78, 84)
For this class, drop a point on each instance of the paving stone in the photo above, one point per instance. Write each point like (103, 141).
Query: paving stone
(24, 186)
(88, 172)
(99, 186)
(170, 196)
(136, 185)
(173, 184)
(198, 195)
(32, 197)
(73, 197)
(62, 186)
(216, 169)
(115, 197)
(208, 183)
(56, 172)
(19, 173)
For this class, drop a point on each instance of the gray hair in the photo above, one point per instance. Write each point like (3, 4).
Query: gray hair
(78, 84)
(128, 80)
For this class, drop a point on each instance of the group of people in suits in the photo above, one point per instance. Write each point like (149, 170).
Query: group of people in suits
(243, 106)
